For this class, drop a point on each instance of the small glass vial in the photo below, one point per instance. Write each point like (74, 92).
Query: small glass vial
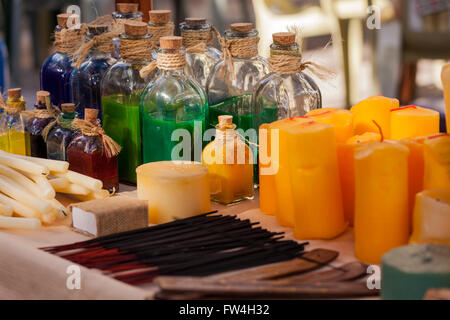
(56, 70)
(230, 86)
(36, 124)
(160, 26)
(61, 134)
(85, 81)
(121, 88)
(230, 164)
(124, 12)
(199, 65)
(87, 155)
(172, 101)
(14, 137)
(285, 93)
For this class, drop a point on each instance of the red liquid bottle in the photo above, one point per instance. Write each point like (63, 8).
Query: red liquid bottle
(92, 152)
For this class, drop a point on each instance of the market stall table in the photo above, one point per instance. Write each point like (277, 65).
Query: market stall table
(29, 273)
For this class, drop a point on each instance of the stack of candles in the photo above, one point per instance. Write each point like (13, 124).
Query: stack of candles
(371, 163)
(196, 246)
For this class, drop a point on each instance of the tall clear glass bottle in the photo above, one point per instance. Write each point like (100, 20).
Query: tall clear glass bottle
(36, 124)
(172, 101)
(199, 65)
(56, 70)
(285, 92)
(124, 12)
(231, 85)
(14, 137)
(61, 134)
(85, 81)
(159, 25)
(121, 88)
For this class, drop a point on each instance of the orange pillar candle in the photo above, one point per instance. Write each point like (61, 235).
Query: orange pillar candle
(445, 77)
(413, 121)
(315, 181)
(437, 162)
(267, 190)
(340, 119)
(381, 199)
(345, 153)
(376, 108)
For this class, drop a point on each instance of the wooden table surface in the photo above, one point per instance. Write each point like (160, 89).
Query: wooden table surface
(29, 273)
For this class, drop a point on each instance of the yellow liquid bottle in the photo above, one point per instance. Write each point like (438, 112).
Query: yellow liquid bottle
(230, 164)
(13, 136)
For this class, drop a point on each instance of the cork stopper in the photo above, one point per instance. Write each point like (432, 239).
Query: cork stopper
(42, 96)
(171, 42)
(283, 38)
(15, 93)
(225, 121)
(242, 27)
(127, 7)
(159, 16)
(63, 18)
(90, 115)
(68, 107)
(195, 22)
(97, 29)
(136, 28)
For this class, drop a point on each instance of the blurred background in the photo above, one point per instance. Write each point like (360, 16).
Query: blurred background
(390, 47)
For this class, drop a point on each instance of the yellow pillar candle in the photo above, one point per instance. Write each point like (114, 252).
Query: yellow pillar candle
(376, 108)
(315, 181)
(267, 190)
(381, 199)
(345, 153)
(431, 222)
(340, 119)
(437, 162)
(445, 77)
(413, 121)
(174, 189)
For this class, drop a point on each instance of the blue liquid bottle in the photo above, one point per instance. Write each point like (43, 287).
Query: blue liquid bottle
(86, 79)
(56, 70)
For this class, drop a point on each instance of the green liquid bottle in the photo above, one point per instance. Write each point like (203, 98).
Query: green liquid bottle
(173, 109)
(121, 88)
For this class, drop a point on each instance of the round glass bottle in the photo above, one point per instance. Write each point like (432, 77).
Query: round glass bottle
(286, 91)
(199, 65)
(59, 137)
(231, 85)
(121, 88)
(85, 81)
(172, 101)
(56, 70)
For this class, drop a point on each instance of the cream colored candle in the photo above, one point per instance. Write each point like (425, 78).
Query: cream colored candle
(174, 189)
(315, 183)
(437, 162)
(381, 199)
(19, 223)
(445, 77)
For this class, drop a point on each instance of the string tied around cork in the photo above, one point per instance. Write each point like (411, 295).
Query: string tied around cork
(93, 128)
(50, 110)
(282, 63)
(160, 26)
(138, 44)
(69, 40)
(175, 59)
(13, 106)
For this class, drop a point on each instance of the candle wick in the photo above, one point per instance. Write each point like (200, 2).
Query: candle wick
(380, 130)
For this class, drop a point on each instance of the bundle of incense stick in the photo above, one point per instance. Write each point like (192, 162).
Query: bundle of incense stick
(197, 246)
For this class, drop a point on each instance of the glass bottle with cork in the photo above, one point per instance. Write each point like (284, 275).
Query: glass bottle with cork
(93, 153)
(196, 31)
(287, 91)
(14, 137)
(159, 26)
(86, 77)
(233, 79)
(230, 164)
(121, 88)
(124, 12)
(172, 101)
(56, 70)
(59, 133)
(42, 116)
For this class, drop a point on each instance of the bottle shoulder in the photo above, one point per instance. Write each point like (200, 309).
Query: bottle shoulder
(58, 59)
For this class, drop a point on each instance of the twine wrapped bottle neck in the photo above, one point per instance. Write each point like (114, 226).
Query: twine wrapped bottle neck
(192, 38)
(136, 48)
(69, 40)
(160, 30)
(14, 106)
